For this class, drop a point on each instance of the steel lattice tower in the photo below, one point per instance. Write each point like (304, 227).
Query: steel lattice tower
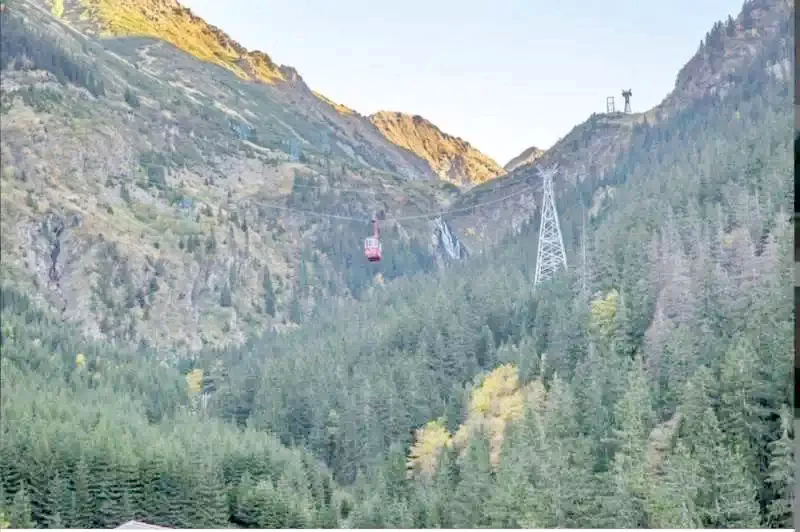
(627, 95)
(550, 256)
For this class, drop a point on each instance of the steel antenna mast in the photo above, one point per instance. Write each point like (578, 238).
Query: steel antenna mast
(550, 257)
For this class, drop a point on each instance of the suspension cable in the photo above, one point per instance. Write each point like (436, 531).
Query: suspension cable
(514, 181)
(394, 219)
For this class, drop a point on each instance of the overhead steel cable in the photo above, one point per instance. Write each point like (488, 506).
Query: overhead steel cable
(365, 219)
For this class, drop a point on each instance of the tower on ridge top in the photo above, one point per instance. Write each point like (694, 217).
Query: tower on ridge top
(627, 95)
(610, 104)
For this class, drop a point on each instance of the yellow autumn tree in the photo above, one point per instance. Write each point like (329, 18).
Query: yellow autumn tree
(604, 312)
(80, 361)
(498, 401)
(194, 381)
(428, 444)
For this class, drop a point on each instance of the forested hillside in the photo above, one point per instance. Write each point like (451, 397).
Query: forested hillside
(149, 196)
(648, 386)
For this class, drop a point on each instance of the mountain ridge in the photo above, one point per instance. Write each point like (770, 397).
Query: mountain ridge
(168, 20)
(452, 158)
(190, 202)
(526, 157)
(593, 148)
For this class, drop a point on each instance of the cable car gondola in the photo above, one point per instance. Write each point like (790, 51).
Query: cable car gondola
(372, 244)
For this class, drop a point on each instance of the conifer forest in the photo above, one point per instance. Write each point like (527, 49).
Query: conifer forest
(647, 386)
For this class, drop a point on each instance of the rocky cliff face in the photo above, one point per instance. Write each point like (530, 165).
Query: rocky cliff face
(728, 48)
(449, 248)
(451, 158)
(527, 157)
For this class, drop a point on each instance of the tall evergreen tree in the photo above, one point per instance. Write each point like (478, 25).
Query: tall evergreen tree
(21, 511)
(780, 478)
(635, 418)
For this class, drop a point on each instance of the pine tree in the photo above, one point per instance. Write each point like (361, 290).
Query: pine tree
(592, 388)
(780, 479)
(679, 363)
(244, 511)
(558, 463)
(737, 386)
(485, 351)
(84, 504)
(696, 399)
(475, 485)
(624, 340)
(151, 473)
(130, 490)
(635, 418)
(269, 292)
(439, 496)
(671, 501)
(102, 489)
(38, 466)
(177, 492)
(59, 503)
(727, 494)
(21, 511)
(208, 501)
(5, 503)
(507, 501)
(735, 493)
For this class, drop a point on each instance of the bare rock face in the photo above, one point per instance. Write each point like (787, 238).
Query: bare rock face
(446, 246)
(451, 158)
(527, 157)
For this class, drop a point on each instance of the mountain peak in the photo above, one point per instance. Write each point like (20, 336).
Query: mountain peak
(169, 21)
(452, 158)
(727, 47)
(528, 156)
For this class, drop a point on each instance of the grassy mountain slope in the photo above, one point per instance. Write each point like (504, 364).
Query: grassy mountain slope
(453, 159)
(167, 21)
(140, 183)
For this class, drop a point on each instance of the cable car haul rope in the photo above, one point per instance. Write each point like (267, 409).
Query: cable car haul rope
(372, 244)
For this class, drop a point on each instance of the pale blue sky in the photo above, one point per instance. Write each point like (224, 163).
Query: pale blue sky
(501, 74)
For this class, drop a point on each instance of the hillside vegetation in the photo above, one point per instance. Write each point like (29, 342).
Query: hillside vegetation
(151, 197)
(453, 159)
(738, 51)
(646, 387)
(168, 20)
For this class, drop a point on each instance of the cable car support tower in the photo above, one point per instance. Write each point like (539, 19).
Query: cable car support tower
(550, 257)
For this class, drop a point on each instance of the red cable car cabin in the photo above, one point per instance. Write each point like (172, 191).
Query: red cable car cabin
(372, 245)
